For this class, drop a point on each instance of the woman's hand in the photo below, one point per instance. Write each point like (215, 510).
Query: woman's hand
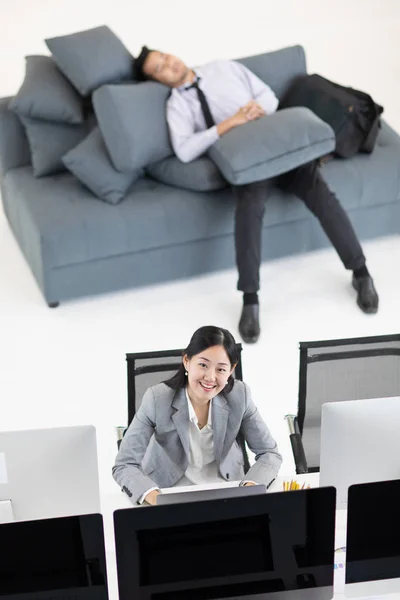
(151, 497)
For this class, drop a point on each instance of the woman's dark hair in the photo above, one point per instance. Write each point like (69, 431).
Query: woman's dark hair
(204, 338)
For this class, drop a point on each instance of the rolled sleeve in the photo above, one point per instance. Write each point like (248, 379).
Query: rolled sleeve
(260, 91)
(187, 143)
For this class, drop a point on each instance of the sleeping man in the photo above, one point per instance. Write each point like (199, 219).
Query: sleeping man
(205, 104)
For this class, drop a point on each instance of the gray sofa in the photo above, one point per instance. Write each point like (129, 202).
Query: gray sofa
(77, 245)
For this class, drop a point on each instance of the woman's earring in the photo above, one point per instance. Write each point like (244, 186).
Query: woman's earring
(186, 373)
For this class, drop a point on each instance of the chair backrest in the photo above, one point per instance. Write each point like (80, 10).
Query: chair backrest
(145, 369)
(338, 370)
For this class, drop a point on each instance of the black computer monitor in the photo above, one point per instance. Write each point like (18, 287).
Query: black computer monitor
(53, 558)
(268, 546)
(373, 539)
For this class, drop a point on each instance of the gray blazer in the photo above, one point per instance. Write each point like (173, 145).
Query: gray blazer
(155, 450)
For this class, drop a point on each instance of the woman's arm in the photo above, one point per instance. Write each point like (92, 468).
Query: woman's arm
(127, 470)
(261, 443)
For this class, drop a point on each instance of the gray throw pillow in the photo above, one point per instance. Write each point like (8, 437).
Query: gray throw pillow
(90, 163)
(272, 145)
(14, 146)
(200, 175)
(133, 124)
(47, 94)
(91, 58)
(49, 142)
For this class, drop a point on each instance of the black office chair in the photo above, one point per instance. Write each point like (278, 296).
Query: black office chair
(334, 371)
(145, 369)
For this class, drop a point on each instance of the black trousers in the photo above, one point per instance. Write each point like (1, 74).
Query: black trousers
(307, 183)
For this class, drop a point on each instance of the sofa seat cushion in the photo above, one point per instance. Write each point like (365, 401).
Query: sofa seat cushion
(74, 227)
(368, 179)
(272, 145)
(200, 175)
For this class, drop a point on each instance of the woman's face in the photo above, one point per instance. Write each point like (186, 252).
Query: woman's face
(208, 373)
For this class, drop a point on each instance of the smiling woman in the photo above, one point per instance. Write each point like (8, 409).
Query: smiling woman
(186, 429)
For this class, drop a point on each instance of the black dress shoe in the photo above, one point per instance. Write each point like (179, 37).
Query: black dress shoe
(367, 297)
(249, 325)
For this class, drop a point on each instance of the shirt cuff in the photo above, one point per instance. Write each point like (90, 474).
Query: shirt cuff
(241, 484)
(215, 135)
(143, 496)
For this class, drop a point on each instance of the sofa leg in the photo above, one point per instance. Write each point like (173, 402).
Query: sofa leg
(53, 304)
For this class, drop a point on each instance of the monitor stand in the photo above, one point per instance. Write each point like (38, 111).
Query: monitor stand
(6, 512)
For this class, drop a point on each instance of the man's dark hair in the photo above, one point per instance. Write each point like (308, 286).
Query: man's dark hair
(139, 63)
(204, 338)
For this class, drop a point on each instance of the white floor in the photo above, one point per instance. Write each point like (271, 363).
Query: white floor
(67, 366)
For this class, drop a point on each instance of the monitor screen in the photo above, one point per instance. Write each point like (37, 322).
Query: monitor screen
(347, 455)
(256, 547)
(373, 539)
(53, 558)
(65, 483)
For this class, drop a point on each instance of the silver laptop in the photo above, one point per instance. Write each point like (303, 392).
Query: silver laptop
(360, 443)
(48, 473)
(212, 494)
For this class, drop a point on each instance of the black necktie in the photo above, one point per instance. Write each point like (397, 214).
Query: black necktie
(203, 103)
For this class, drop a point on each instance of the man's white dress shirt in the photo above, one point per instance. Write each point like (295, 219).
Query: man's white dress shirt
(228, 86)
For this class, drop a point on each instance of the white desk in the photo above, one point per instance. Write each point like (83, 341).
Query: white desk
(112, 502)
(118, 500)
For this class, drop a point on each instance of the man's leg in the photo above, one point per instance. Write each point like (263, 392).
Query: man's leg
(250, 207)
(308, 184)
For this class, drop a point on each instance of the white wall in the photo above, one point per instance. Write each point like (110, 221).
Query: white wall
(354, 42)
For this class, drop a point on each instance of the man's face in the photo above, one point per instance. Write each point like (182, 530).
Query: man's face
(166, 68)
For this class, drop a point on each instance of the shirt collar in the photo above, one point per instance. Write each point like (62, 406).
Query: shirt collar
(186, 86)
(192, 414)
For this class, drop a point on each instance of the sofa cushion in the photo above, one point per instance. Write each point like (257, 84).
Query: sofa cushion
(272, 145)
(368, 179)
(90, 163)
(278, 68)
(91, 58)
(132, 118)
(14, 147)
(132, 121)
(49, 142)
(200, 175)
(73, 228)
(47, 94)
